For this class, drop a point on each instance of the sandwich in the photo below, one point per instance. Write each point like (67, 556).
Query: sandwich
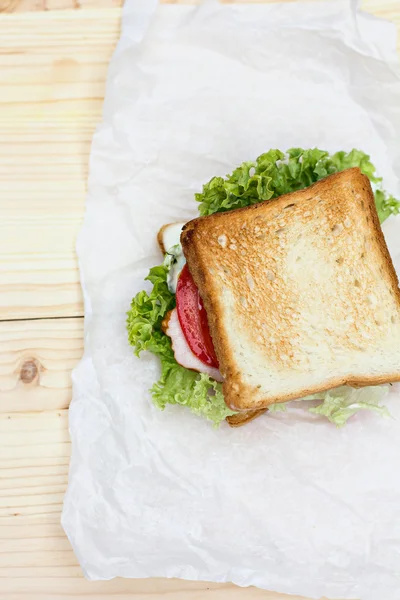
(282, 290)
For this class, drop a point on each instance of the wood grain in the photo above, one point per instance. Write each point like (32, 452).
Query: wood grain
(51, 92)
(53, 64)
(36, 359)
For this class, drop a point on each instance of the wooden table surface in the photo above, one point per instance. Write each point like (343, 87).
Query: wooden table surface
(53, 62)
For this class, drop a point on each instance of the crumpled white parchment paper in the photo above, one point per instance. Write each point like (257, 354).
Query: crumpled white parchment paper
(288, 503)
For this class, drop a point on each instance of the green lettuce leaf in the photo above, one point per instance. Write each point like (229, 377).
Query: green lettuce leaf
(147, 312)
(386, 205)
(279, 406)
(275, 173)
(201, 394)
(177, 385)
(341, 403)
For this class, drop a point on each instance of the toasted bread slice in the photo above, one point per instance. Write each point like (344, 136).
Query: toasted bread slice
(241, 418)
(169, 235)
(300, 292)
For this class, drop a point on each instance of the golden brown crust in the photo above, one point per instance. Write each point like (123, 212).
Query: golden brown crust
(342, 197)
(244, 417)
(160, 238)
(165, 322)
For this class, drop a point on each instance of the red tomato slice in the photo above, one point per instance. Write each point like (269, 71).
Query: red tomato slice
(193, 319)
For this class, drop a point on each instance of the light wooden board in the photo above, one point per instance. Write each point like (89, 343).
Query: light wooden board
(53, 64)
(53, 69)
(36, 359)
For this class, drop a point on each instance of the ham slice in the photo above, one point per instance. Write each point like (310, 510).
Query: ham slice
(183, 354)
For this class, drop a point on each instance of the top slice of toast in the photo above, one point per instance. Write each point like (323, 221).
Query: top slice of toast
(300, 291)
